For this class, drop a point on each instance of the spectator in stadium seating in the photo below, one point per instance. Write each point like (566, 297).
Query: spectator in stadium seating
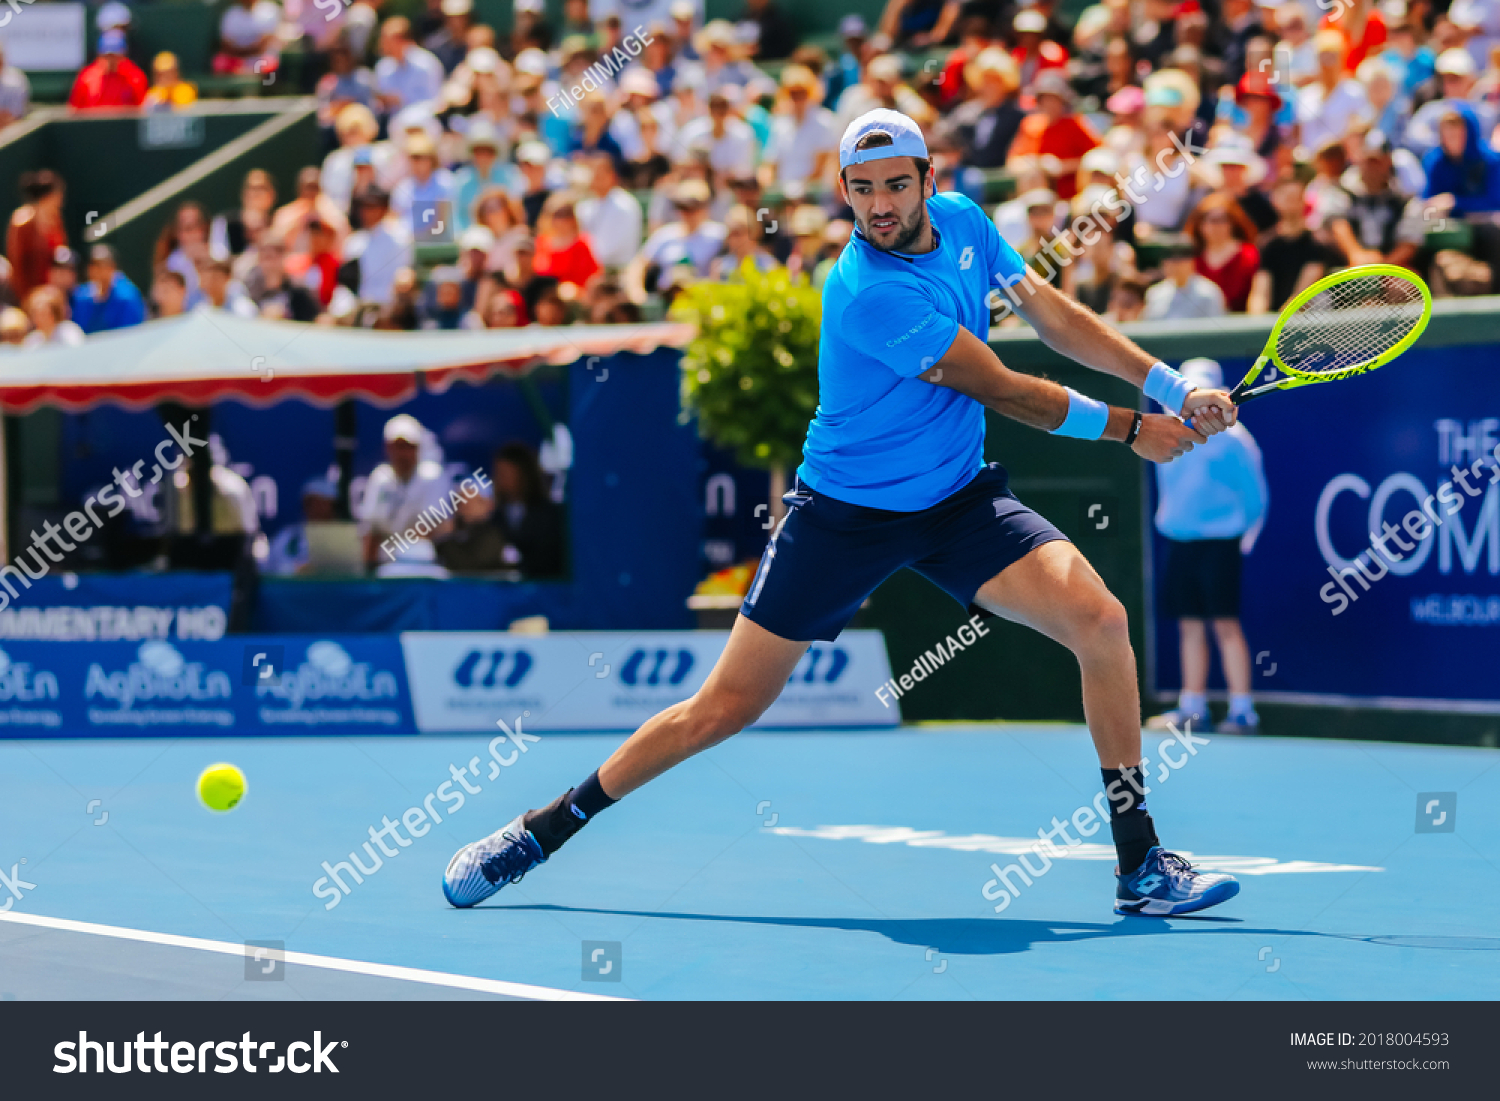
(1370, 221)
(844, 71)
(528, 520)
(288, 553)
(14, 327)
(1414, 64)
(108, 300)
(1053, 137)
(231, 233)
(1127, 302)
(417, 198)
(1292, 259)
(475, 545)
(168, 90)
(249, 40)
(1327, 105)
(882, 86)
(533, 158)
(111, 79)
(15, 92)
(591, 132)
(731, 145)
(448, 42)
(544, 301)
(1101, 261)
(183, 244)
(742, 241)
(48, 312)
(1389, 107)
(64, 271)
(1362, 27)
(1456, 78)
(316, 264)
(382, 245)
(776, 38)
(530, 28)
(918, 24)
(293, 221)
(692, 239)
(1033, 52)
(484, 173)
(503, 310)
(717, 65)
(168, 294)
(1042, 248)
(1224, 237)
(406, 73)
(36, 231)
(346, 82)
(804, 142)
(1182, 294)
(1211, 508)
(274, 293)
(441, 305)
(221, 292)
(987, 122)
(505, 220)
(647, 168)
(398, 493)
(608, 215)
(1463, 172)
(1163, 180)
(807, 224)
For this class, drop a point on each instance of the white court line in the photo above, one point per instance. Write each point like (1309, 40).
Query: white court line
(328, 963)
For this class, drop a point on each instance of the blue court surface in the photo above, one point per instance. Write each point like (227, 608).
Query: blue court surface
(798, 865)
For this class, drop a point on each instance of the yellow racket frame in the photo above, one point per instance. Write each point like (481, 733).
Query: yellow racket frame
(1294, 378)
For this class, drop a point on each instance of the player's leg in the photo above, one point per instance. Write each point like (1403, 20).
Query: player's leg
(747, 678)
(1054, 590)
(750, 673)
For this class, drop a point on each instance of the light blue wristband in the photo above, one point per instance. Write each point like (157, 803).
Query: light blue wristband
(1166, 386)
(1086, 419)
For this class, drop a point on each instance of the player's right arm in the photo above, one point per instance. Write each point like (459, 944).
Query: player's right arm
(971, 367)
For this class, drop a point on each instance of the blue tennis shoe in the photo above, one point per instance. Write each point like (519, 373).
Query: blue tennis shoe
(479, 870)
(1166, 884)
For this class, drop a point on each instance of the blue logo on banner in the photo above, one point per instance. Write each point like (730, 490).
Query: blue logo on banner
(814, 669)
(630, 672)
(483, 668)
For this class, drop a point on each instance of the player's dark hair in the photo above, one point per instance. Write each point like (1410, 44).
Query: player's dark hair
(875, 139)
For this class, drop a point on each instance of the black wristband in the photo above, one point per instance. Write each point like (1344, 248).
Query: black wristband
(1135, 428)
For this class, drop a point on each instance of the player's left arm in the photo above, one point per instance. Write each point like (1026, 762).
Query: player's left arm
(1071, 328)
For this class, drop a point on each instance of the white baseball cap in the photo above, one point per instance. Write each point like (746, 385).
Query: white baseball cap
(1206, 373)
(404, 426)
(906, 138)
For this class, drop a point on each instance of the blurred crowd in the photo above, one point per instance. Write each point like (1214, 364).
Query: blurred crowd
(1158, 159)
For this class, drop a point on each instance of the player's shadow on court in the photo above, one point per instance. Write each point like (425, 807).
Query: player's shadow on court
(981, 936)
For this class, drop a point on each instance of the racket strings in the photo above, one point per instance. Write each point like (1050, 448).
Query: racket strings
(1347, 327)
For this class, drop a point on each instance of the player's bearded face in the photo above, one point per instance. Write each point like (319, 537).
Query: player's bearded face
(891, 220)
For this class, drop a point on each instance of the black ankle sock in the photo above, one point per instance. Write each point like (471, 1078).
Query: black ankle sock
(567, 814)
(1133, 830)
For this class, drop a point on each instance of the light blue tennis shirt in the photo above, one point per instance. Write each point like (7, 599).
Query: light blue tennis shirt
(881, 437)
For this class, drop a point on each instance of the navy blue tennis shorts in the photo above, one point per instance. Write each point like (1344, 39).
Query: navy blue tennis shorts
(828, 555)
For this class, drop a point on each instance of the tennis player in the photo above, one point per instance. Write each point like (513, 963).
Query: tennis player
(892, 476)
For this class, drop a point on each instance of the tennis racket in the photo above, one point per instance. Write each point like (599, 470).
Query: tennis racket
(1343, 325)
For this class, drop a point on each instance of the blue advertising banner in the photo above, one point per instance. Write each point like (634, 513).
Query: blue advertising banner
(245, 685)
(135, 607)
(1377, 577)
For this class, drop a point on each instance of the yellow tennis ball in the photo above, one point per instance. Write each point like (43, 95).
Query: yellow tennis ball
(221, 786)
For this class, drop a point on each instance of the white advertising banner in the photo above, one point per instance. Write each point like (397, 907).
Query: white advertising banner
(615, 680)
(43, 37)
